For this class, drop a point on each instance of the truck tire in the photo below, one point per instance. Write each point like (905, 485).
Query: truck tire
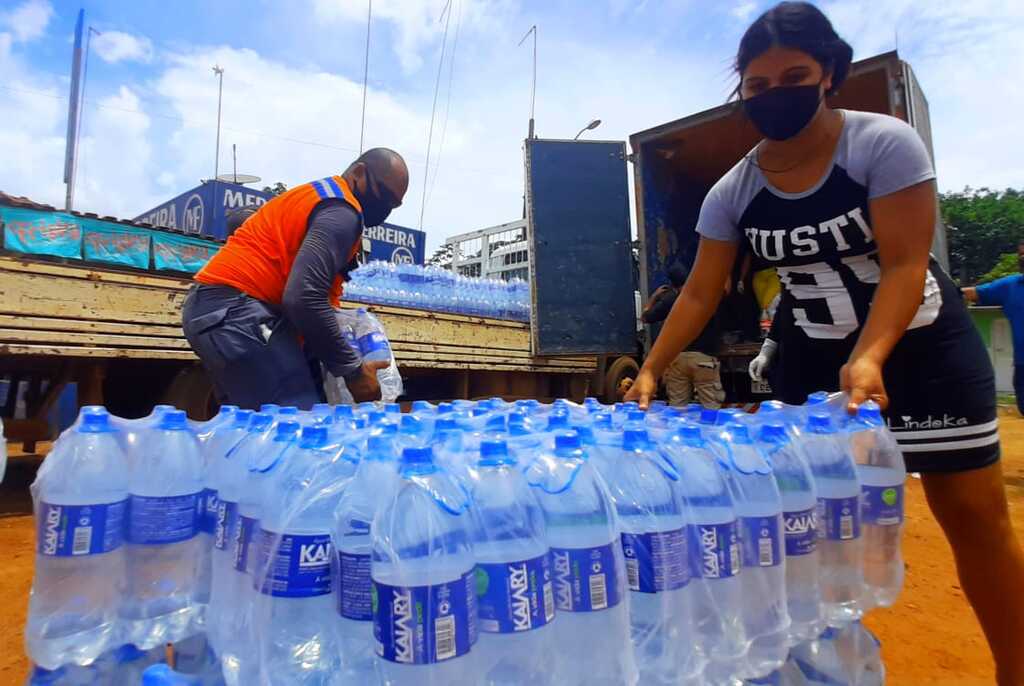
(192, 391)
(621, 368)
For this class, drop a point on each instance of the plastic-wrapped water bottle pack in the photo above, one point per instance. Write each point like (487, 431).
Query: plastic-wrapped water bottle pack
(469, 543)
(440, 290)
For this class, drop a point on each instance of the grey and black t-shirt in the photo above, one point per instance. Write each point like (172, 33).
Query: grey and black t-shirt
(820, 241)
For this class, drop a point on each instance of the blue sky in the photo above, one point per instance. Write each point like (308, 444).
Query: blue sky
(293, 84)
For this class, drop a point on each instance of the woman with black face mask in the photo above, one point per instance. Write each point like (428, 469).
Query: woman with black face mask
(843, 205)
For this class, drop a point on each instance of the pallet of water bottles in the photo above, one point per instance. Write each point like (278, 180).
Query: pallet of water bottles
(470, 543)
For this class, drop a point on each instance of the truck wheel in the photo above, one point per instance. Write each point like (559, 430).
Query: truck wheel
(192, 391)
(619, 370)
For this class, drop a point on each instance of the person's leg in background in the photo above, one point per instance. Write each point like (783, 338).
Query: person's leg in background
(707, 380)
(678, 381)
(971, 508)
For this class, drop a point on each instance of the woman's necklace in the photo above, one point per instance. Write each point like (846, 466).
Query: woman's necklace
(752, 156)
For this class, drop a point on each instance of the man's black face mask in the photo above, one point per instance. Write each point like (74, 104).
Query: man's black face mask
(377, 201)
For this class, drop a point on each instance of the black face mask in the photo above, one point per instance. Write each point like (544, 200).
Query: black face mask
(783, 112)
(377, 201)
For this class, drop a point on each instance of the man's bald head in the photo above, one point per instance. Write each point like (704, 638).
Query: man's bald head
(379, 178)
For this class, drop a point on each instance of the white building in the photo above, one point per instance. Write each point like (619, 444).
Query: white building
(497, 252)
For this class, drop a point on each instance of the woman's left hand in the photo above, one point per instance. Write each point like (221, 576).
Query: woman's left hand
(861, 379)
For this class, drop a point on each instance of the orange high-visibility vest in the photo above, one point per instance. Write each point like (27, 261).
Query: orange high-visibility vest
(258, 257)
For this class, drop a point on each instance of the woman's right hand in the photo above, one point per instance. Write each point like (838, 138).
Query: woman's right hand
(643, 389)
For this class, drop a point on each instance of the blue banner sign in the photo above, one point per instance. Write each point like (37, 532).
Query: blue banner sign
(397, 244)
(203, 211)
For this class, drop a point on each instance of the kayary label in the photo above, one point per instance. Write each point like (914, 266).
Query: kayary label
(299, 565)
(585, 579)
(801, 528)
(372, 342)
(515, 596)
(762, 541)
(656, 561)
(163, 520)
(245, 544)
(882, 505)
(354, 597)
(67, 530)
(718, 549)
(208, 511)
(839, 518)
(425, 624)
(227, 520)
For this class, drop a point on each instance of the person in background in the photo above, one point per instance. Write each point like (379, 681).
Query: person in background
(843, 204)
(234, 221)
(696, 370)
(265, 302)
(1008, 293)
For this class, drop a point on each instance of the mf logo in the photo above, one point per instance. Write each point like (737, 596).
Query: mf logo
(192, 217)
(519, 584)
(402, 610)
(401, 256)
(51, 532)
(314, 554)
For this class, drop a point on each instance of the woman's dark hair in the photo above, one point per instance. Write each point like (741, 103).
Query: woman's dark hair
(801, 26)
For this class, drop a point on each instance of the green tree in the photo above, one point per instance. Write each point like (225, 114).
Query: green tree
(443, 256)
(982, 225)
(277, 189)
(1006, 266)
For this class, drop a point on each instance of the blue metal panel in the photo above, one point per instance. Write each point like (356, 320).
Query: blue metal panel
(580, 249)
(204, 209)
(398, 244)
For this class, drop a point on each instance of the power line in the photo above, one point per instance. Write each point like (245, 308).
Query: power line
(433, 110)
(366, 73)
(447, 104)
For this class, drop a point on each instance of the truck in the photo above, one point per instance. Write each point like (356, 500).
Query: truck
(579, 229)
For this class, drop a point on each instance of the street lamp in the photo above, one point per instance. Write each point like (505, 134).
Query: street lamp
(589, 127)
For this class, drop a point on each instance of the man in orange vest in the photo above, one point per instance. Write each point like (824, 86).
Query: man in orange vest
(268, 296)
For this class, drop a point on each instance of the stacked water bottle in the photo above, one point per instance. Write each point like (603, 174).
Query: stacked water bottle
(469, 543)
(438, 289)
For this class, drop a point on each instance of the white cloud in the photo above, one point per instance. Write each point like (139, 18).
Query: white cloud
(27, 21)
(115, 46)
(743, 11)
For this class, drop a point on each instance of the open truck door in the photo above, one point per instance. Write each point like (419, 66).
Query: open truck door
(582, 273)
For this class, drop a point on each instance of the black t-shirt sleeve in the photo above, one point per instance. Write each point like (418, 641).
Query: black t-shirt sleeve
(334, 227)
(661, 307)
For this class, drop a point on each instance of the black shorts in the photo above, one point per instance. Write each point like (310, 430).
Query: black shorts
(940, 381)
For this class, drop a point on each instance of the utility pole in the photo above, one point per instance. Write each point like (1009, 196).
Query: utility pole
(533, 85)
(74, 102)
(219, 71)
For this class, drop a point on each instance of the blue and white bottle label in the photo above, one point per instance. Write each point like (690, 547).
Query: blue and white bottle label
(656, 561)
(372, 342)
(245, 544)
(718, 549)
(882, 505)
(354, 595)
(839, 518)
(299, 565)
(163, 520)
(801, 527)
(227, 520)
(515, 596)
(67, 530)
(585, 579)
(208, 511)
(762, 541)
(421, 625)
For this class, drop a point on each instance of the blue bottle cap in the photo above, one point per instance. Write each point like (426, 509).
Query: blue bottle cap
(870, 413)
(417, 456)
(259, 422)
(445, 408)
(225, 410)
(160, 409)
(658, 406)
(497, 423)
(95, 419)
(361, 423)
(128, 653)
(311, 436)
(242, 419)
(379, 446)
(708, 416)
(588, 401)
(173, 420)
(558, 420)
(630, 405)
(446, 424)
(289, 410)
(493, 453)
(738, 432)
(690, 434)
(603, 421)
(479, 412)
(286, 430)
(770, 407)
(162, 675)
(773, 433)
(421, 406)
(820, 423)
(411, 424)
(817, 398)
(393, 408)
(635, 439)
(635, 416)
(376, 417)
(343, 412)
(568, 441)
(321, 409)
(385, 428)
(270, 408)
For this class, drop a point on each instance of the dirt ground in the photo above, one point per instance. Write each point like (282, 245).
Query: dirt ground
(929, 637)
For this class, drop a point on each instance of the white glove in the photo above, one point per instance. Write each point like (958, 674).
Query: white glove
(760, 364)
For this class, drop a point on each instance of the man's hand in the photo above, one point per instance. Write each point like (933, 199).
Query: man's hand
(970, 294)
(365, 387)
(643, 389)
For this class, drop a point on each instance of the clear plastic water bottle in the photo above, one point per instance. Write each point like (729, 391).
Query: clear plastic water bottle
(81, 497)
(425, 622)
(513, 574)
(658, 569)
(165, 485)
(714, 548)
(373, 485)
(195, 657)
(294, 620)
(847, 655)
(840, 551)
(799, 522)
(882, 475)
(588, 566)
(759, 506)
